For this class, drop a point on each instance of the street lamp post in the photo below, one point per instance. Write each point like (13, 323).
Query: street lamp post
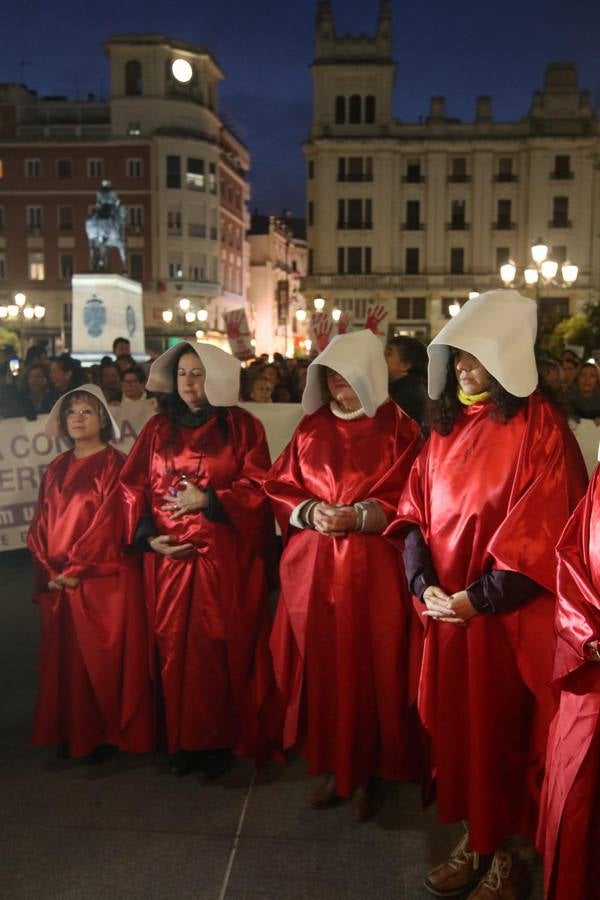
(21, 313)
(540, 272)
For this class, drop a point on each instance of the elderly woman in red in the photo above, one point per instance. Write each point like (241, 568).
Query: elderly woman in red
(482, 513)
(340, 639)
(95, 692)
(570, 826)
(192, 489)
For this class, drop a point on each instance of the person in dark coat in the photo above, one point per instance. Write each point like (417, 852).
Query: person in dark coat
(406, 359)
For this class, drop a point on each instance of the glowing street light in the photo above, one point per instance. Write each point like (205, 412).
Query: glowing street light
(167, 315)
(202, 315)
(184, 304)
(319, 304)
(20, 299)
(39, 311)
(182, 70)
(301, 315)
(336, 314)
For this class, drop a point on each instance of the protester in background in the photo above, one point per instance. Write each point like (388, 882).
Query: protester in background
(480, 519)
(110, 382)
(569, 834)
(36, 396)
(95, 692)
(193, 497)
(36, 354)
(340, 639)
(121, 347)
(298, 380)
(66, 373)
(259, 389)
(406, 360)
(583, 397)
(569, 364)
(126, 361)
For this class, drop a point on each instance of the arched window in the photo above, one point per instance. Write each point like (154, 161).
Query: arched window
(370, 109)
(354, 116)
(340, 110)
(133, 78)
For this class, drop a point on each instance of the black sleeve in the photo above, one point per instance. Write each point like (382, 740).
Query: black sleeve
(500, 592)
(214, 512)
(420, 571)
(145, 529)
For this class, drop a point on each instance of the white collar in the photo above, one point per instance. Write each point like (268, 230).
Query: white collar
(340, 414)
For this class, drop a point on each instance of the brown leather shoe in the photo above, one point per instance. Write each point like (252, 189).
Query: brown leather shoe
(462, 871)
(325, 794)
(366, 802)
(508, 878)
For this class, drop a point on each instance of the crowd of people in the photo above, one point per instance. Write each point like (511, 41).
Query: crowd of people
(426, 628)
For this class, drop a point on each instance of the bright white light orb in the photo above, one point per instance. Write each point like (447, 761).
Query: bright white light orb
(184, 304)
(202, 315)
(182, 70)
(39, 311)
(336, 315)
(319, 303)
(167, 315)
(13, 310)
(301, 315)
(20, 299)
(190, 316)
(28, 312)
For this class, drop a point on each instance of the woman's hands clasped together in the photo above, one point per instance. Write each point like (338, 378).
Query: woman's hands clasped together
(333, 521)
(456, 608)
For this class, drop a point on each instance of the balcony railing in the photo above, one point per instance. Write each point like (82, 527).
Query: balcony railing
(562, 175)
(505, 177)
(503, 225)
(413, 226)
(353, 225)
(458, 225)
(560, 223)
(355, 176)
(413, 179)
(195, 230)
(456, 178)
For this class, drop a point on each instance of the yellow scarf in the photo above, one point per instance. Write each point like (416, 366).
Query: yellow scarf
(470, 399)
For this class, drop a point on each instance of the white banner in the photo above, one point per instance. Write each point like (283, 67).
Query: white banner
(26, 451)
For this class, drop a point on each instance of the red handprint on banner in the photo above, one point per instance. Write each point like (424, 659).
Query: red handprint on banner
(345, 323)
(322, 327)
(375, 315)
(236, 324)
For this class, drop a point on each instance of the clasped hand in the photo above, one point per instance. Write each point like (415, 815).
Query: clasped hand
(333, 520)
(61, 581)
(456, 608)
(189, 499)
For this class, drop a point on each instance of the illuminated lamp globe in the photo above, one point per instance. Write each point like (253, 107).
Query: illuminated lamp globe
(167, 315)
(454, 309)
(28, 312)
(13, 310)
(301, 315)
(202, 315)
(308, 345)
(182, 70)
(319, 304)
(473, 295)
(508, 272)
(549, 269)
(3, 312)
(190, 316)
(569, 272)
(184, 304)
(531, 275)
(336, 315)
(39, 311)
(539, 251)
(20, 299)
(199, 334)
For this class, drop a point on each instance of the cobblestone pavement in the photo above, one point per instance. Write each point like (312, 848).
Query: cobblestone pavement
(128, 829)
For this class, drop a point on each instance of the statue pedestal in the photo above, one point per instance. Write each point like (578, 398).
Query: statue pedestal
(106, 307)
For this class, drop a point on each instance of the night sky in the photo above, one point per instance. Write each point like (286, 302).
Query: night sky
(459, 49)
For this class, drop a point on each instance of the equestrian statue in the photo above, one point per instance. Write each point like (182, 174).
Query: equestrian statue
(105, 227)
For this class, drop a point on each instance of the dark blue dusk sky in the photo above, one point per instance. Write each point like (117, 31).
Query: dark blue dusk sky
(458, 49)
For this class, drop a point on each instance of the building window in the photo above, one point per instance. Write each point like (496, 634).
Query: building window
(194, 177)
(133, 78)
(212, 178)
(355, 213)
(502, 256)
(34, 218)
(505, 169)
(33, 168)
(457, 215)
(173, 172)
(136, 266)
(457, 261)
(134, 129)
(340, 110)
(64, 168)
(173, 222)
(95, 168)
(135, 167)
(311, 212)
(354, 109)
(35, 266)
(370, 109)
(560, 213)
(458, 170)
(66, 266)
(562, 168)
(413, 172)
(553, 308)
(175, 268)
(135, 218)
(504, 214)
(413, 215)
(311, 169)
(411, 261)
(559, 254)
(411, 308)
(65, 218)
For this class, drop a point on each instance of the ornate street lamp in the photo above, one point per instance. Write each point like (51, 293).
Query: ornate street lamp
(541, 271)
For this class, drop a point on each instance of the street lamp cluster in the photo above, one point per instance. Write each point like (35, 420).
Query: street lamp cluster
(20, 309)
(190, 315)
(319, 305)
(541, 270)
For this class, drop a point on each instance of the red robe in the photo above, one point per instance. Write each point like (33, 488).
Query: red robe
(95, 686)
(208, 615)
(492, 496)
(570, 826)
(340, 641)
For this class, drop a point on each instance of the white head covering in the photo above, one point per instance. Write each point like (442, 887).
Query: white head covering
(357, 357)
(222, 383)
(499, 328)
(52, 426)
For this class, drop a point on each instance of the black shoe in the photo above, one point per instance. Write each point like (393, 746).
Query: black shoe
(215, 763)
(101, 754)
(183, 762)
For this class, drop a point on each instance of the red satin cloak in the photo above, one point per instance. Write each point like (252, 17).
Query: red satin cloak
(208, 615)
(340, 641)
(492, 496)
(570, 824)
(95, 686)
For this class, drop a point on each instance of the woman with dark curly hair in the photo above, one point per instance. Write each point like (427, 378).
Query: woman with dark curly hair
(192, 487)
(480, 517)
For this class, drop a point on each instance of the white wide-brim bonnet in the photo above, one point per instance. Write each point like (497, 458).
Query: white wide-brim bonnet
(499, 328)
(222, 385)
(52, 425)
(357, 357)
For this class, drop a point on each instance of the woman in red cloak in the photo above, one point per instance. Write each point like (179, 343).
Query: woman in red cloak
(482, 513)
(192, 490)
(340, 641)
(95, 691)
(570, 827)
